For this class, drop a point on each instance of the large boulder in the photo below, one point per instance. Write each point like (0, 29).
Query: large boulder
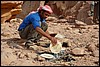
(29, 6)
(60, 7)
(83, 13)
(79, 10)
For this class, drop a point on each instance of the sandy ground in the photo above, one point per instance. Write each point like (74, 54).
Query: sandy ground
(86, 38)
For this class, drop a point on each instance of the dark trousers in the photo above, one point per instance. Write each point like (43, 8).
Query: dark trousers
(31, 34)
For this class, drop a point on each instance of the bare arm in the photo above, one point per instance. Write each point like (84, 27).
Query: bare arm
(46, 34)
(40, 31)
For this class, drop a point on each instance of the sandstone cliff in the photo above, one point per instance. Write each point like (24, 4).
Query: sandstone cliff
(9, 9)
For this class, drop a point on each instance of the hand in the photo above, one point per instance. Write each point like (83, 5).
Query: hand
(53, 41)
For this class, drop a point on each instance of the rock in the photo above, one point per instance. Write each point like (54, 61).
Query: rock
(15, 11)
(4, 43)
(95, 26)
(27, 7)
(9, 10)
(59, 36)
(74, 10)
(70, 19)
(5, 17)
(18, 20)
(40, 58)
(91, 47)
(69, 28)
(18, 53)
(31, 55)
(21, 55)
(83, 13)
(28, 55)
(89, 21)
(6, 4)
(96, 53)
(61, 21)
(34, 47)
(79, 23)
(51, 18)
(6, 34)
(78, 51)
(77, 6)
(75, 31)
(61, 7)
(66, 42)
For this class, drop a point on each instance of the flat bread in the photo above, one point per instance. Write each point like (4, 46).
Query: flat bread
(57, 48)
